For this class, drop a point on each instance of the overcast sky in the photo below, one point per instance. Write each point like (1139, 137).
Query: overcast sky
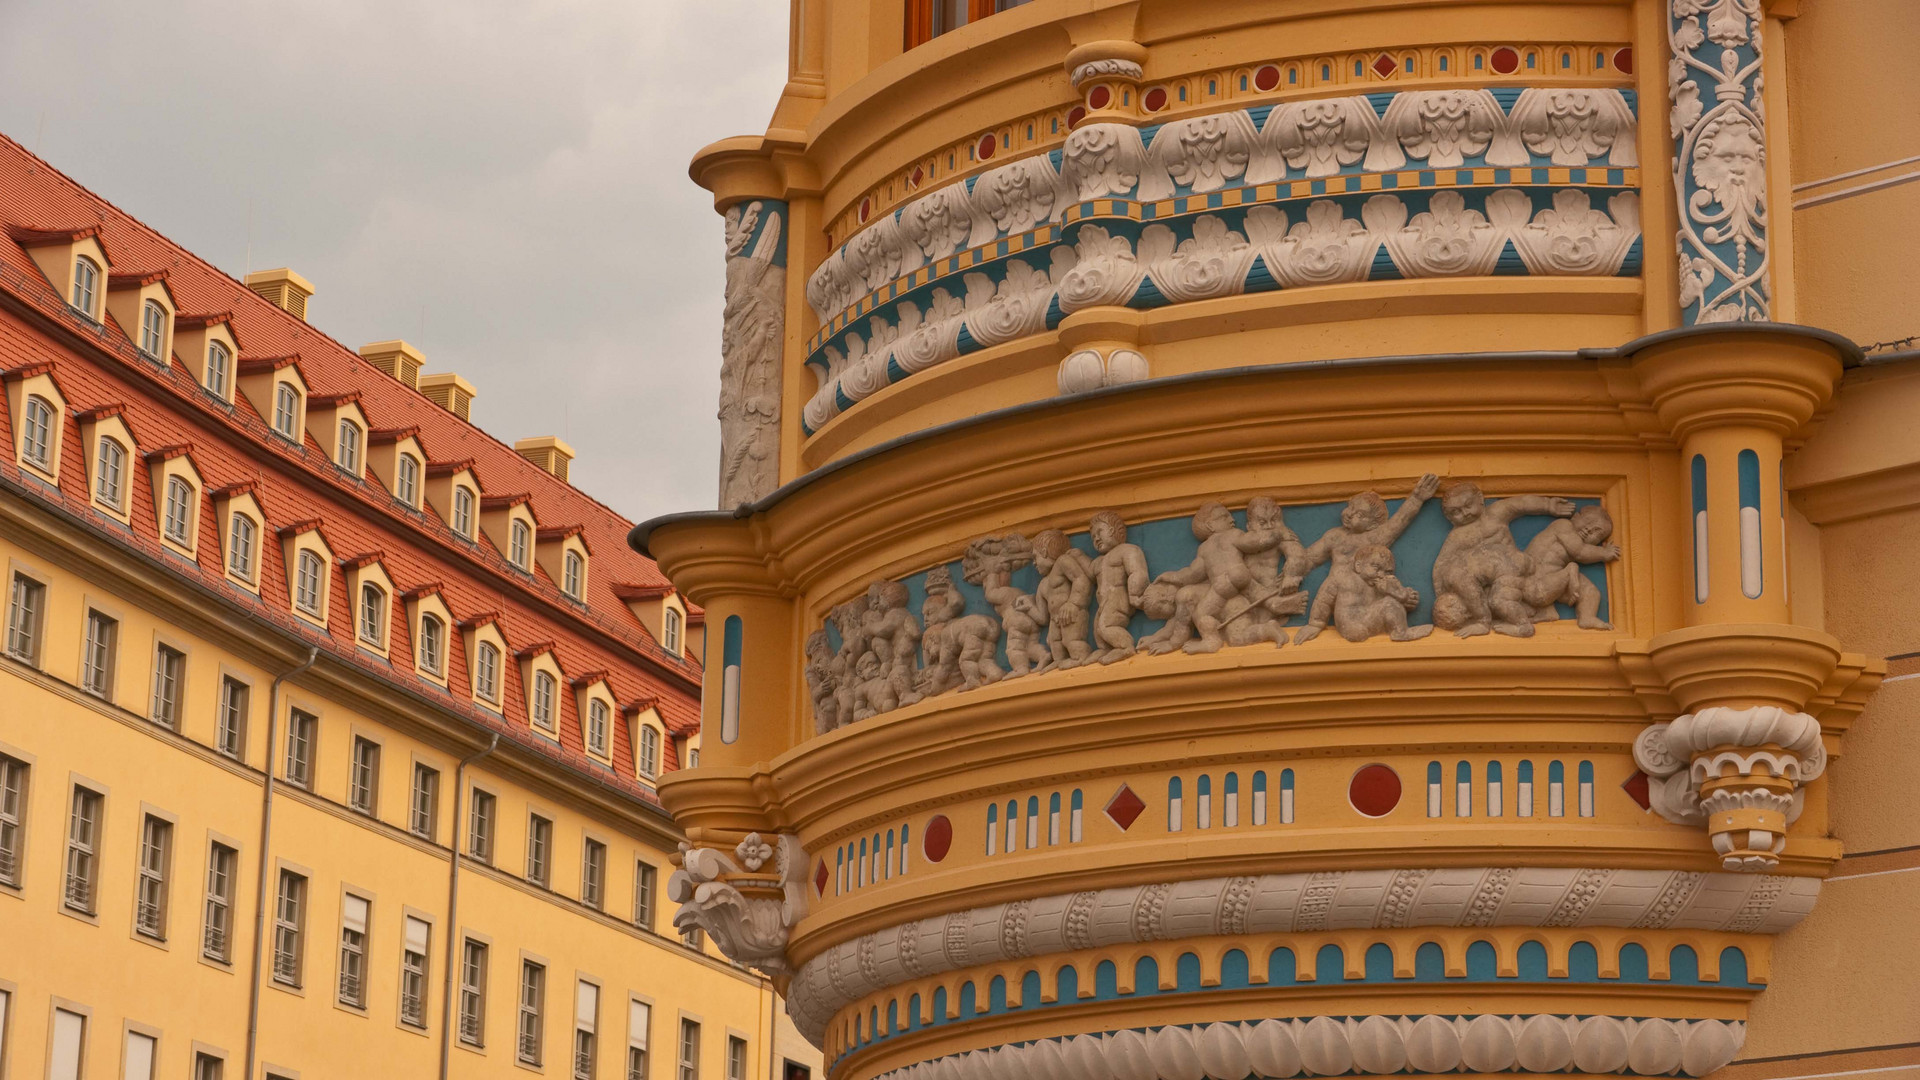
(503, 183)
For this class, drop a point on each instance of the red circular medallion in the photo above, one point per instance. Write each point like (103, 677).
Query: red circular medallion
(1504, 60)
(1075, 115)
(1374, 790)
(938, 839)
(1154, 99)
(866, 209)
(1623, 60)
(1098, 97)
(988, 144)
(1266, 78)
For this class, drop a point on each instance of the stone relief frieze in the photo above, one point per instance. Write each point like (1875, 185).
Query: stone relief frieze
(1015, 605)
(751, 338)
(1718, 123)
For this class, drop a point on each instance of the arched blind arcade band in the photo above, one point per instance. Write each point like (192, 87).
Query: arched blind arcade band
(928, 19)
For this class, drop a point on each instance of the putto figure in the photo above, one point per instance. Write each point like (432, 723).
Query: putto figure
(989, 563)
(1557, 555)
(1222, 565)
(1481, 578)
(1374, 601)
(822, 684)
(1120, 581)
(958, 648)
(894, 637)
(850, 620)
(1066, 587)
(1364, 523)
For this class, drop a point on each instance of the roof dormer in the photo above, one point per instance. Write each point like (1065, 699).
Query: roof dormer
(486, 660)
(337, 424)
(243, 530)
(74, 262)
(177, 488)
(371, 592)
(593, 699)
(563, 553)
(395, 457)
(661, 610)
(39, 412)
(278, 392)
(207, 346)
(143, 306)
(430, 625)
(454, 494)
(541, 681)
(508, 522)
(109, 451)
(309, 561)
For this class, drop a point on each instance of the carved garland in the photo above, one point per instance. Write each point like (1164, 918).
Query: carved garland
(1241, 589)
(1294, 903)
(1719, 159)
(1362, 1045)
(751, 337)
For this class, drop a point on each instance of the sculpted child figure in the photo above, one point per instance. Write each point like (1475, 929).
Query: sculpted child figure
(1120, 577)
(1066, 586)
(989, 563)
(1176, 603)
(1222, 565)
(849, 619)
(821, 684)
(1375, 602)
(875, 693)
(1557, 555)
(958, 648)
(894, 637)
(1364, 523)
(1277, 572)
(1480, 577)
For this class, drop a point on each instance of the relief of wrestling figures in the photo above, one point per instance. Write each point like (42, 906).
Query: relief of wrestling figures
(1015, 605)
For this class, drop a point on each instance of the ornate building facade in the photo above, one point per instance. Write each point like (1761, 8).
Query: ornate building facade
(329, 726)
(1316, 538)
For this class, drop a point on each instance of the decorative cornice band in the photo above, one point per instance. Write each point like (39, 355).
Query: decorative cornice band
(1358, 1045)
(1294, 903)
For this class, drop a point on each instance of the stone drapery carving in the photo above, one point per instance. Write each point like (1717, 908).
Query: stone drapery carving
(1311, 242)
(1240, 588)
(744, 904)
(1737, 772)
(1359, 1045)
(1718, 121)
(751, 339)
(1291, 903)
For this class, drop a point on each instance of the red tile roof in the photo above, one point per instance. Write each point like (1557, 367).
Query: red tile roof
(231, 448)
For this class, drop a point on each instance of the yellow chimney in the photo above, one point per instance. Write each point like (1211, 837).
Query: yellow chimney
(450, 392)
(547, 452)
(284, 288)
(398, 359)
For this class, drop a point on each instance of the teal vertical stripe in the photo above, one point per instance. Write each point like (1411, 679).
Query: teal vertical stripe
(1749, 480)
(1699, 483)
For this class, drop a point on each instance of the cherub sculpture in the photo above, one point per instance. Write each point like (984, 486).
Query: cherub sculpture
(1557, 555)
(873, 691)
(1120, 577)
(894, 636)
(1222, 564)
(989, 563)
(1364, 523)
(849, 620)
(1481, 577)
(822, 684)
(1373, 601)
(1277, 573)
(1066, 587)
(1176, 603)
(958, 648)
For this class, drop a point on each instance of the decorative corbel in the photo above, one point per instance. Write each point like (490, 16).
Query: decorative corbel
(747, 907)
(1740, 773)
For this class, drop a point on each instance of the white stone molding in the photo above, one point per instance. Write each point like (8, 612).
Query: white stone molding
(1086, 370)
(1740, 773)
(1293, 903)
(747, 907)
(1359, 1045)
(1109, 67)
(752, 336)
(1718, 124)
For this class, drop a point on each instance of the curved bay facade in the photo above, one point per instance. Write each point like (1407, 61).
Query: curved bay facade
(1273, 539)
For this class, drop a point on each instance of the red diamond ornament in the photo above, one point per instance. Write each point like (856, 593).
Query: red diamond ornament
(1383, 65)
(820, 878)
(1636, 788)
(1125, 807)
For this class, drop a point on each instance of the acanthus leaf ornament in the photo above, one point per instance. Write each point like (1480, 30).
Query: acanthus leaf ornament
(1739, 773)
(1720, 159)
(747, 910)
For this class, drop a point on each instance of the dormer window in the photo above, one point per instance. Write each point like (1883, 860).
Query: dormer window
(546, 691)
(309, 582)
(86, 284)
(373, 614)
(243, 545)
(406, 486)
(574, 579)
(109, 478)
(486, 672)
(599, 722)
(671, 637)
(347, 448)
(463, 501)
(153, 330)
(36, 443)
(286, 411)
(433, 644)
(219, 368)
(520, 545)
(178, 519)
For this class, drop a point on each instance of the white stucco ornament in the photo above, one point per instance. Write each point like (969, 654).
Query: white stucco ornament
(747, 907)
(1737, 772)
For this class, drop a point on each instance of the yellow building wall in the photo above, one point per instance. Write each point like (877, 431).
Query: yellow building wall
(122, 980)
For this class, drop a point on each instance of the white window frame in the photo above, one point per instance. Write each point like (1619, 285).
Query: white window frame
(169, 685)
(546, 697)
(26, 617)
(38, 429)
(219, 369)
(573, 574)
(86, 285)
(15, 775)
(110, 474)
(243, 546)
(482, 825)
(423, 802)
(415, 949)
(647, 761)
(230, 731)
(473, 992)
(289, 928)
(363, 777)
(153, 330)
(286, 410)
(486, 672)
(83, 849)
(599, 727)
(593, 873)
(529, 1030)
(216, 932)
(347, 442)
(465, 503)
(370, 616)
(406, 480)
(303, 729)
(155, 873)
(99, 653)
(540, 850)
(309, 584)
(433, 644)
(519, 543)
(177, 520)
(351, 989)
